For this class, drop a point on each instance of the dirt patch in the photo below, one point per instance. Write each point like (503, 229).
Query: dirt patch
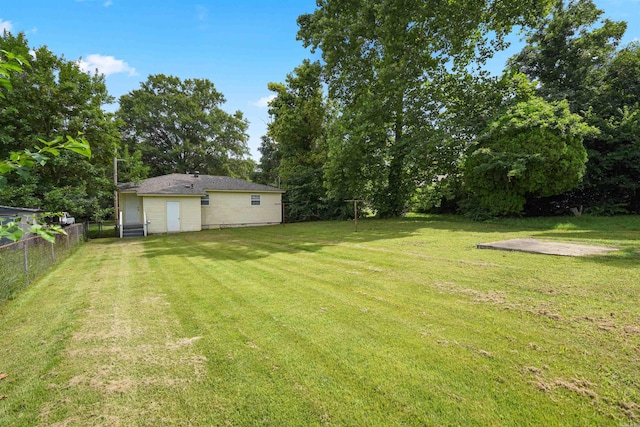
(549, 314)
(630, 409)
(547, 248)
(581, 387)
(184, 342)
(491, 297)
(632, 329)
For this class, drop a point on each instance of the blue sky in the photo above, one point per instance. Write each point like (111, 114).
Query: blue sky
(240, 46)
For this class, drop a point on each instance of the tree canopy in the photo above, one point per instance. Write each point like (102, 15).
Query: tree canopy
(384, 61)
(533, 148)
(572, 55)
(22, 162)
(179, 126)
(52, 99)
(299, 114)
(567, 51)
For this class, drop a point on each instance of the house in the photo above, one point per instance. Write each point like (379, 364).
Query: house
(22, 216)
(194, 202)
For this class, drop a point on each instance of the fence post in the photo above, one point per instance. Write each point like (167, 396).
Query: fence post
(53, 253)
(26, 261)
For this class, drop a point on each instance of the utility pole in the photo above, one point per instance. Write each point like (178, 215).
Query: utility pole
(355, 211)
(116, 213)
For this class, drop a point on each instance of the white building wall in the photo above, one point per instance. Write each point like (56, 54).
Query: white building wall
(235, 209)
(156, 210)
(190, 214)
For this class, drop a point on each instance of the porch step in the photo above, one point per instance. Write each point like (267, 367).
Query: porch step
(132, 230)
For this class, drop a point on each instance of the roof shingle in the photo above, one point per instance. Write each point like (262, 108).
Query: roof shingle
(188, 184)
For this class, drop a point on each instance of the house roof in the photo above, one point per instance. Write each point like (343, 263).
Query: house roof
(188, 184)
(11, 210)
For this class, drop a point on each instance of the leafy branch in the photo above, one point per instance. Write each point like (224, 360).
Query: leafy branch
(21, 162)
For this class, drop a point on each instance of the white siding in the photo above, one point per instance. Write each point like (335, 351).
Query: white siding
(190, 214)
(235, 209)
(156, 210)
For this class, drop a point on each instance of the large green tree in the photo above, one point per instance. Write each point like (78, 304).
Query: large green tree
(572, 56)
(533, 148)
(51, 98)
(383, 62)
(267, 170)
(22, 162)
(612, 183)
(567, 52)
(299, 114)
(179, 126)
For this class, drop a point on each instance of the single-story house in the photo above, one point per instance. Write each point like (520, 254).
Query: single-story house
(194, 202)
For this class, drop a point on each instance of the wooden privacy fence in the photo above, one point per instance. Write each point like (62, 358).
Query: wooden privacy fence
(25, 260)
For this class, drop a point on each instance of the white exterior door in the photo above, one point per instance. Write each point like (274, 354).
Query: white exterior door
(173, 216)
(132, 210)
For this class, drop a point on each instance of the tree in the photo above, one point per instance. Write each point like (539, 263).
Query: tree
(572, 55)
(612, 183)
(178, 126)
(533, 148)
(299, 115)
(21, 162)
(9, 63)
(383, 59)
(267, 171)
(51, 99)
(566, 54)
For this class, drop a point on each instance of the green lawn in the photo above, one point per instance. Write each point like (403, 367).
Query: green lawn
(403, 323)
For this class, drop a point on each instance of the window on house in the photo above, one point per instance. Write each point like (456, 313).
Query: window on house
(204, 200)
(255, 200)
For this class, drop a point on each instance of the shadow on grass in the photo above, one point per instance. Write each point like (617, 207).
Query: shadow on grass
(627, 258)
(239, 244)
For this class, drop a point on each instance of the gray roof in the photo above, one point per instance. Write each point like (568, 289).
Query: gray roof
(11, 210)
(188, 184)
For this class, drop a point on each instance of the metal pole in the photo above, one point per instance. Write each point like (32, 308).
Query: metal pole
(355, 211)
(115, 191)
(26, 261)
(355, 214)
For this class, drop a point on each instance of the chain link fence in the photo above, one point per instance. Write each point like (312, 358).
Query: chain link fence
(23, 261)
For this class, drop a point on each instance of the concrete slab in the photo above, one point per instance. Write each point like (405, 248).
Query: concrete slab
(547, 248)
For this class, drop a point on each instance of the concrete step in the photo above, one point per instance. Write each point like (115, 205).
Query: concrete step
(132, 230)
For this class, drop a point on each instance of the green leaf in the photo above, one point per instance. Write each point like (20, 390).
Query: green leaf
(39, 158)
(81, 146)
(5, 83)
(6, 166)
(11, 231)
(54, 142)
(53, 151)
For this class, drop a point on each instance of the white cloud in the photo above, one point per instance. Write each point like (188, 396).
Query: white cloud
(5, 26)
(264, 101)
(106, 65)
(107, 3)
